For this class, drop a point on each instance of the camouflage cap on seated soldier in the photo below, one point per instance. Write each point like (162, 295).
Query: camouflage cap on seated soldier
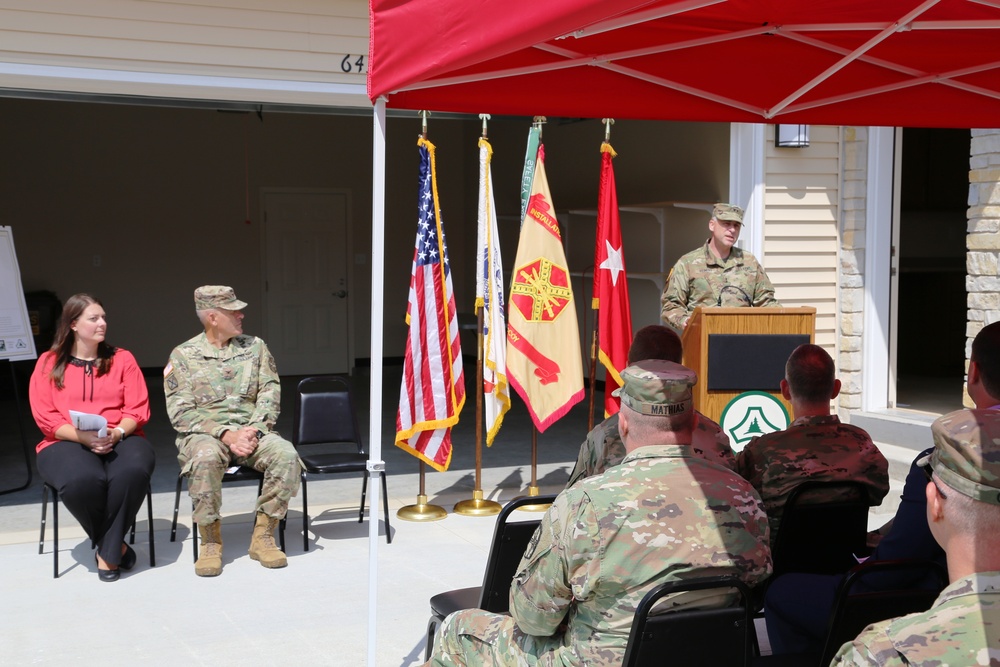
(730, 212)
(657, 387)
(966, 453)
(207, 297)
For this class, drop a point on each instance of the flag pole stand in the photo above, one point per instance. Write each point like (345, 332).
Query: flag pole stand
(422, 510)
(477, 505)
(533, 488)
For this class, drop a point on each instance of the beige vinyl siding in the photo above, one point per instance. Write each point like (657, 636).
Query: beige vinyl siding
(291, 40)
(801, 241)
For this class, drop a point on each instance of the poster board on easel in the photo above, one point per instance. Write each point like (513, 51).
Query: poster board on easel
(16, 337)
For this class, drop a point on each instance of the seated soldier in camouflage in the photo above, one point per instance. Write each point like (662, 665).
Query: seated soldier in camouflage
(962, 627)
(716, 274)
(611, 539)
(223, 398)
(815, 446)
(604, 448)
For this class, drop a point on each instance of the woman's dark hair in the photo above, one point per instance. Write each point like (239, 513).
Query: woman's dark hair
(62, 346)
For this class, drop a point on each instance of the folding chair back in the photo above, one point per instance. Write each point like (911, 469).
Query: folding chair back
(693, 638)
(510, 540)
(822, 537)
(854, 611)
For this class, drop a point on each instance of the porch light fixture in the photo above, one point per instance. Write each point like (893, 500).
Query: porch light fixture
(791, 136)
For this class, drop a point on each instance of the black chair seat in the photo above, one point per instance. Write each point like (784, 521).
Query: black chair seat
(335, 462)
(449, 602)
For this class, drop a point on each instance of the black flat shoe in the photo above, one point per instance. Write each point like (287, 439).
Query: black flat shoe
(106, 575)
(128, 559)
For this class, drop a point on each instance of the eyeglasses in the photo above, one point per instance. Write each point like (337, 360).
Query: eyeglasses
(930, 478)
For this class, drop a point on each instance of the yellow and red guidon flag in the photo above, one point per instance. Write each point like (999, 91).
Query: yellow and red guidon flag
(544, 363)
(489, 297)
(433, 389)
(614, 319)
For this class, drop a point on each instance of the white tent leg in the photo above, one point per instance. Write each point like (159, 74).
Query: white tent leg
(375, 463)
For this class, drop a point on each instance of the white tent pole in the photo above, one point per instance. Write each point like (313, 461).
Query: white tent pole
(375, 463)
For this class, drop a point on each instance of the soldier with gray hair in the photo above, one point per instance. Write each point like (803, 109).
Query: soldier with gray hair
(663, 514)
(716, 274)
(603, 446)
(223, 398)
(962, 627)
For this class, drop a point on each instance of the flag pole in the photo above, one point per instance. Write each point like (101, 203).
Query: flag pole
(593, 375)
(477, 505)
(533, 489)
(422, 510)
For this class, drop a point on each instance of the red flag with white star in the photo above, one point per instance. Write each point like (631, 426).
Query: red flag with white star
(610, 287)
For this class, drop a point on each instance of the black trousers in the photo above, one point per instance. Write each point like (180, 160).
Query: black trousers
(103, 492)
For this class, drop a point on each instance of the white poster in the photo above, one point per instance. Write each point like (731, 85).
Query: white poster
(16, 341)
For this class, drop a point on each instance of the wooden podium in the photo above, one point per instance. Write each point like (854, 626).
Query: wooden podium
(734, 350)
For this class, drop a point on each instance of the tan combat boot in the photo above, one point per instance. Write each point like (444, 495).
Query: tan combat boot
(262, 546)
(209, 563)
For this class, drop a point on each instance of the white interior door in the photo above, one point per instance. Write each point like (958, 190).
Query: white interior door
(307, 292)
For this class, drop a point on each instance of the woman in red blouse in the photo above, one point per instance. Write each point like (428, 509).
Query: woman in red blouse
(101, 476)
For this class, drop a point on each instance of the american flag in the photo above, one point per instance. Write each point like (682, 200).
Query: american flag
(433, 388)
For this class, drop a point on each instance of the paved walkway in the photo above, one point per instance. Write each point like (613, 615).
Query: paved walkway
(315, 611)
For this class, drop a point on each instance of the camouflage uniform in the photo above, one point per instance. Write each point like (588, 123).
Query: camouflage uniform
(961, 628)
(811, 449)
(604, 448)
(663, 514)
(601, 547)
(210, 391)
(698, 278)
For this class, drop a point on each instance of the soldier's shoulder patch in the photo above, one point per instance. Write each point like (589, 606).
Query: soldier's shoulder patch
(171, 381)
(533, 544)
(272, 365)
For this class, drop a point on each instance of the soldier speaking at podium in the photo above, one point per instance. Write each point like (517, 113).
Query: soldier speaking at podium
(716, 274)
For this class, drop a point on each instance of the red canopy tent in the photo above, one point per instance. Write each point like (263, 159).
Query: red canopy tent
(896, 63)
(931, 63)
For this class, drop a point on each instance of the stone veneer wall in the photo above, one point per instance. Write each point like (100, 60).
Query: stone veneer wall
(982, 281)
(854, 166)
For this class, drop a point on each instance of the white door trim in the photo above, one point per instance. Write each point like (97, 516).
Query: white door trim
(879, 223)
(746, 182)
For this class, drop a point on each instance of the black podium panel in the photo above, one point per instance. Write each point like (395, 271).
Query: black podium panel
(749, 362)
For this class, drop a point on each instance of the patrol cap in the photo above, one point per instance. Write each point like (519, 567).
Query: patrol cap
(728, 212)
(966, 453)
(217, 296)
(657, 387)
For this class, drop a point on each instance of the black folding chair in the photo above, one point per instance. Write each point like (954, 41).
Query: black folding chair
(854, 610)
(46, 488)
(692, 637)
(822, 537)
(510, 540)
(326, 436)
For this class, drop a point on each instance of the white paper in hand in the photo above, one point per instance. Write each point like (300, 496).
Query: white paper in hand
(84, 421)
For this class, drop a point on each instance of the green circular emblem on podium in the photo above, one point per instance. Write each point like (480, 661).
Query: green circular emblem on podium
(751, 414)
